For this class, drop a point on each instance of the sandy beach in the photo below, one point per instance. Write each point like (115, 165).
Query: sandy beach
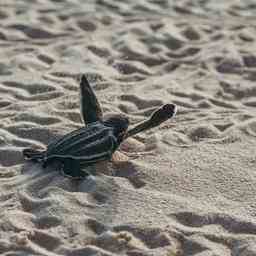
(189, 187)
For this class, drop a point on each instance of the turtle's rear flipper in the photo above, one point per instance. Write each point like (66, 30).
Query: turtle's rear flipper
(71, 168)
(33, 154)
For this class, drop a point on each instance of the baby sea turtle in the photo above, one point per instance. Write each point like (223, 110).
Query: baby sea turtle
(97, 140)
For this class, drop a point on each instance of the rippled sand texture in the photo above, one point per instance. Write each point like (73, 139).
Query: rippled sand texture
(194, 192)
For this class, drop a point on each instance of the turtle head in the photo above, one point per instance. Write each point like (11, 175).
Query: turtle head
(119, 123)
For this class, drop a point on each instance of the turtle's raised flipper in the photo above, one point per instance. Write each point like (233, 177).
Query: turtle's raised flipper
(71, 168)
(33, 154)
(90, 107)
(162, 114)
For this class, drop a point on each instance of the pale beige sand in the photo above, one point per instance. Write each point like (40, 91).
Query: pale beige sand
(195, 195)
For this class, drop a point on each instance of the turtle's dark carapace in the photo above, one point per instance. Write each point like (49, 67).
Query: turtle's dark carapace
(88, 145)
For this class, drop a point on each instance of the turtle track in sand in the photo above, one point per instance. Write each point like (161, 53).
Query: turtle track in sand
(195, 195)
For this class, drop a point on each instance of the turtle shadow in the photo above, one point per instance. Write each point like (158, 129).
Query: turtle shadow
(45, 191)
(39, 181)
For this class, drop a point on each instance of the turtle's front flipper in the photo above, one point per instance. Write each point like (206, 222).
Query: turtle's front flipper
(71, 168)
(90, 107)
(162, 114)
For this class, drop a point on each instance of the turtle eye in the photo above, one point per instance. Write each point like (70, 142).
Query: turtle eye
(121, 136)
